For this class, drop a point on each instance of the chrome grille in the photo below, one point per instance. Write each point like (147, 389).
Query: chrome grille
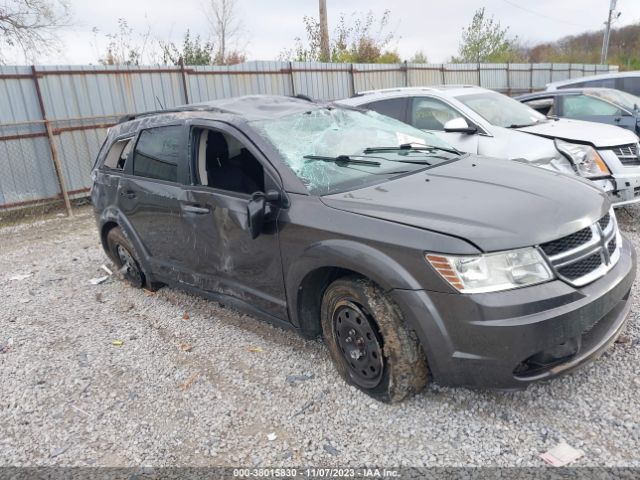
(627, 154)
(587, 254)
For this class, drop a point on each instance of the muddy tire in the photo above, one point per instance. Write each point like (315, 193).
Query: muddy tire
(369, 342)
(125, 257)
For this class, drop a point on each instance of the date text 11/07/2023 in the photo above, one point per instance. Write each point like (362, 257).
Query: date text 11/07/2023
(315, 473)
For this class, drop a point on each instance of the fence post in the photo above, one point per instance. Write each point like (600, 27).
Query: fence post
(353, 79)
(479, 76)
(185, 86)
(293, 83)
(508, 81)
(444, 82)
(530, 77)
(405, 69)
(57, 166)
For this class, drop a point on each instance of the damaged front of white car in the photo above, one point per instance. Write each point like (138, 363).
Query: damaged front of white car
(484, 122)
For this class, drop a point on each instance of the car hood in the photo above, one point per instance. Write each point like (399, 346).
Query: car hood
(494, 204)
(598, 134)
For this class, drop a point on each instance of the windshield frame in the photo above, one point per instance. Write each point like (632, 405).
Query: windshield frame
(311, 141)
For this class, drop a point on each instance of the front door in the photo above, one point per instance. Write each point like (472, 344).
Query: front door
(430, 114)
(227, 170)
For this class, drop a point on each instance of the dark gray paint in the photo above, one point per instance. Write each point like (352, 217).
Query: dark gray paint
(382, 232)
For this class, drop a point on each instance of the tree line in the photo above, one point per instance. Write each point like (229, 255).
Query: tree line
(33, 27)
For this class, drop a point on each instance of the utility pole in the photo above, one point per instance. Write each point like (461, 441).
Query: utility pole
(607, 33)
(325, 55)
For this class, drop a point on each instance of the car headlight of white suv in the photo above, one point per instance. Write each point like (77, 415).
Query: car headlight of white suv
(584, 158)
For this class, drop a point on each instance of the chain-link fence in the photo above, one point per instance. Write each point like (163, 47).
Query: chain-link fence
(53, 119)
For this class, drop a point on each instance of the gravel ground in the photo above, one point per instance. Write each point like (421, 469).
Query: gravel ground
(248, 393)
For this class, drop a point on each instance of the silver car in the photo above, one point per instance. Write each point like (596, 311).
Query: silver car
(481, 121)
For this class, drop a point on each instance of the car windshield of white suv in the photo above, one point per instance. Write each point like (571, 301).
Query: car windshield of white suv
(502, 111)
(335, 149)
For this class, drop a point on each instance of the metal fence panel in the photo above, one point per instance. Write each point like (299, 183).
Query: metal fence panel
(81, 102)
(368, 76)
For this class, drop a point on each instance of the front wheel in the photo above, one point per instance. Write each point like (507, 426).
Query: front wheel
(369, 342)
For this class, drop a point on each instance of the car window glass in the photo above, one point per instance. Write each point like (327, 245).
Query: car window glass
(158, 153)
(118, 154)
(311, 144)
(577, 106)
(542, 105)
(393, 107)
(630, 85)
(603, 83)
(500, 110)
(224, 163)
(431, 114)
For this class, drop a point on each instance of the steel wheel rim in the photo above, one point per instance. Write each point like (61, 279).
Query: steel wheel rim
(131, 267)
(359, 344)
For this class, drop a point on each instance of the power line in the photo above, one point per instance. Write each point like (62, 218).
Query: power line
(545, 16)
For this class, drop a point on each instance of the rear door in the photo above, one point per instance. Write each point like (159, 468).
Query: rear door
(227, 168)
(150, 195)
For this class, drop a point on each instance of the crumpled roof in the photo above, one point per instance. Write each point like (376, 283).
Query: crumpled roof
(257, 107)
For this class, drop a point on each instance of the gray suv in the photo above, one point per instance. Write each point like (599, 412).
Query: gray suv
(413, 261)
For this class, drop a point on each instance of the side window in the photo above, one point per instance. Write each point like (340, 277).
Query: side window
(393, 107)
(223, 162)
(630, 85)
(542, 105)
(577, 106)
(604, 83)
(118, 154)
(431, 114)
(158, 153)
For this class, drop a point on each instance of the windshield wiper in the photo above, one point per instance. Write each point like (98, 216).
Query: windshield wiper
(411, 147)
(342, 160)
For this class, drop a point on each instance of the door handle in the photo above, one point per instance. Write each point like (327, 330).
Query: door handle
(195, 209)
(128, 194)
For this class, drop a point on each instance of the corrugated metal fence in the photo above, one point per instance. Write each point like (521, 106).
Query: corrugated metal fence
(53, 119)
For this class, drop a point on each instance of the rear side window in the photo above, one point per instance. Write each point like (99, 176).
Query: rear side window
(630, 85)
(393, 107)
(159, 152)
(118, 154)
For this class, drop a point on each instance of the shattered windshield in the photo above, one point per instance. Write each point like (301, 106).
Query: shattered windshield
(334, 149)
(501, 111)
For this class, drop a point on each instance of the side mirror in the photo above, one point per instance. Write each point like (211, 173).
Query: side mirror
(257, 209)
(459, 125)
(255, 213)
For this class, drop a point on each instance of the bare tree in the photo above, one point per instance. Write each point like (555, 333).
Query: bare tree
(226, 28)
(32, 26)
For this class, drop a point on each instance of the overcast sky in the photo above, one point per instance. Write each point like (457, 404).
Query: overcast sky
(270, 26)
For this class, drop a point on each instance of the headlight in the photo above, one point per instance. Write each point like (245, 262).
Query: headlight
(493, 271)
(587, 161)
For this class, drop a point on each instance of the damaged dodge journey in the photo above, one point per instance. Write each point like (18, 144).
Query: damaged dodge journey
(413, 261)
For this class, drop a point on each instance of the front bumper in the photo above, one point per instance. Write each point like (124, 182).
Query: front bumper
(627, 190)
(488, 340)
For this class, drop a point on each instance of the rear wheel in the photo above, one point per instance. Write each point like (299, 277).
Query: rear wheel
(124, 256)
(369, 342)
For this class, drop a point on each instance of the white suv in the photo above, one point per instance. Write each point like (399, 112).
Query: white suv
(484, 122)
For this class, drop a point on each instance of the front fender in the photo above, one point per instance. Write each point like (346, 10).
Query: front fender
(362, 259)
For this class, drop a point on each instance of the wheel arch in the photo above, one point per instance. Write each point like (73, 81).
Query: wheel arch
(325, 262)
